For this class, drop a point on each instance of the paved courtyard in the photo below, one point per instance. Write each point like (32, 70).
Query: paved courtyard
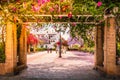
(73, 65)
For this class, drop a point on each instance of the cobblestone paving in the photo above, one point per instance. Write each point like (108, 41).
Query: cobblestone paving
(72, 66)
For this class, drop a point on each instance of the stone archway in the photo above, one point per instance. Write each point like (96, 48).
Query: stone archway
(105, 54)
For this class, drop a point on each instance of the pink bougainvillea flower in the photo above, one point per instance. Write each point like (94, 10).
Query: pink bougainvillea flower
(74, 23)
(58, 43)
(48, 0)
(60, 17)
(39, 2)
(36, 8)
(35, 40)
(14, 9)
(70, 15)
(99, 3)
(51, 9)
(33, 7)
(56, 6)
(58, 10)
(43, 1)
(32, 39)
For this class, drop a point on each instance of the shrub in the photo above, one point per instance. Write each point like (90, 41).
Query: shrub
(74, 47)
(40, 49)
(118, 49)
(2, 54)
(87, 48)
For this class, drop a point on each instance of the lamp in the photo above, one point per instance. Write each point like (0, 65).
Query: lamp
(59, 28)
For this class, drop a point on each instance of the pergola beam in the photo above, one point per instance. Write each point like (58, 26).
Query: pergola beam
(61, 15)
(65, 22)
(31, 19)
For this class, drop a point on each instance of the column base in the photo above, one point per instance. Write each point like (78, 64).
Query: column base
(19, 68)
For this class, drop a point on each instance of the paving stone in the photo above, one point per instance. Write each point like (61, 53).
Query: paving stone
(73, 65)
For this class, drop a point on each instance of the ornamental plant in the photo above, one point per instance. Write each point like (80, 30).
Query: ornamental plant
(99, 3)
(20, 8)
(9, 9)
(32, 40)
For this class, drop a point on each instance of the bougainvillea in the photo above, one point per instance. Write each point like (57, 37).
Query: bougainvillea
(60, 17)
(21, 8)
(31, 39)
(70, 15)
(99, 3)
(58, 43)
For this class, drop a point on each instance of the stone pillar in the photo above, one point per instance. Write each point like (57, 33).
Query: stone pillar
(23, 46)
(110, 46)
(99, 54)
(15, 44)
(2, 69)
(10, 48)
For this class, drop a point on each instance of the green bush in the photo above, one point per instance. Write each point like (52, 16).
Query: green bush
(74, 47)
(91, 50)
(41, 49)
(87, 48)
(118, 49)
(31, 49)
(2, 54)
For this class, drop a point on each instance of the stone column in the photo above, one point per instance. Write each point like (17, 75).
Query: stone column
(15, 44)
(110, 45)
(99, 54)
(23, 46)
(10, 43)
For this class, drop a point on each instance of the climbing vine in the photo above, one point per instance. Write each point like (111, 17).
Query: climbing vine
(84, 31)
(21, 8)
(25, 10)
(2, 43)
